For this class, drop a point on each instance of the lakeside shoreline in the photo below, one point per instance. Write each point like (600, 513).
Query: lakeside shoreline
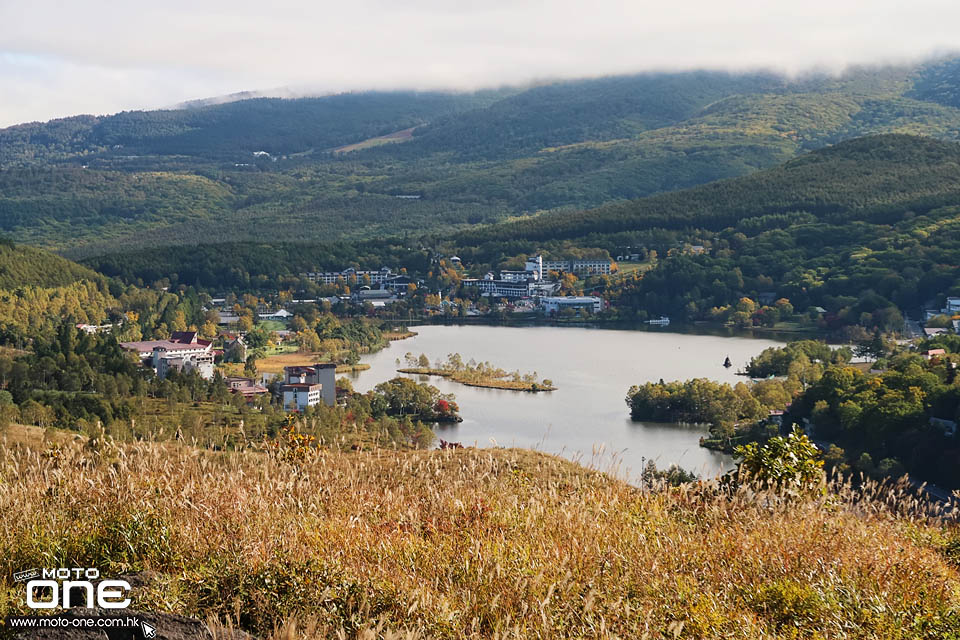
(697, 328)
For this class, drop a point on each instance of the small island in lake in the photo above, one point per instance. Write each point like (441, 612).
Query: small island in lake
(475, 374)
(400, 333)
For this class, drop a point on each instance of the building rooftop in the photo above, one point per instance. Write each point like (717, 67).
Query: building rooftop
(571, 299)
(297, 370)
(167, 345)
(374, 293)
(245, 386)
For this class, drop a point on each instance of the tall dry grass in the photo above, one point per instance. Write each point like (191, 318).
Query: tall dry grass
(471, 544)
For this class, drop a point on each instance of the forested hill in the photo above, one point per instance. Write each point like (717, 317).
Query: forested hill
(332, 168)
(39, 290)
(230, 131)
(879, 179)
(598, 110)
(868, 230)
(29, 267)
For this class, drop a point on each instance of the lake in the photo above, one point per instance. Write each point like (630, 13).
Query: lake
(586, 419)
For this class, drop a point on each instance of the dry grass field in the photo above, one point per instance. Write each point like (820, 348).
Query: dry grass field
(276, 363)
(307, 543)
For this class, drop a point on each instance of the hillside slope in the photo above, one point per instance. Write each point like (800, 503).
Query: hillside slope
(223, 173)
(868, 226)
(39, 290)
(22, 266)
(470, 544)
(585, 143)
(877, 178)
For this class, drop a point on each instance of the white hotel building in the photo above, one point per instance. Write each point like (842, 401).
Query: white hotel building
(332, 277)
(554, 304)
(591, 267)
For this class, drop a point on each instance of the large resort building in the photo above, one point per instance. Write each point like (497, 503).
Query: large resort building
(184, 351)
(351, 275)
(554, 305)
(499, 288)
(589, 267)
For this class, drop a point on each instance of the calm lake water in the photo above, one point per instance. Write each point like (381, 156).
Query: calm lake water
(586, 419)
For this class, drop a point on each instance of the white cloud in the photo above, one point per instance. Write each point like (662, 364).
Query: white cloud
(101, 56)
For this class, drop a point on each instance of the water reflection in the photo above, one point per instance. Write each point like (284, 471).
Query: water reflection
(586, 419)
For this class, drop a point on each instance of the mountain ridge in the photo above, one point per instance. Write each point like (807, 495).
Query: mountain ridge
(472, 159)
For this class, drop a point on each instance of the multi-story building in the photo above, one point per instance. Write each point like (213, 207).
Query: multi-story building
(552, 305)
(556, 265)
(534, 265)
(516, 276)
(202, 363)
(184, 351)
(350, 275)
(499, 288)
(180, 343)
(512, 284)
(399, 282)
(542, 288)
(298, 396)
(322, 374)
(591, 266)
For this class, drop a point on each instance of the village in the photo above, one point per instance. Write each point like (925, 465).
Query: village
(185, 352)
(240, 331)
(531, 289)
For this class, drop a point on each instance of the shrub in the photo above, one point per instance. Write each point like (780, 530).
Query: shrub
(784, 463)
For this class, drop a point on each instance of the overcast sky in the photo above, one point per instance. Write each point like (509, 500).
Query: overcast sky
(61, 58)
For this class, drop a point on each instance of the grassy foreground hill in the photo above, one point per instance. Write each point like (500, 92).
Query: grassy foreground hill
(468, 544)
